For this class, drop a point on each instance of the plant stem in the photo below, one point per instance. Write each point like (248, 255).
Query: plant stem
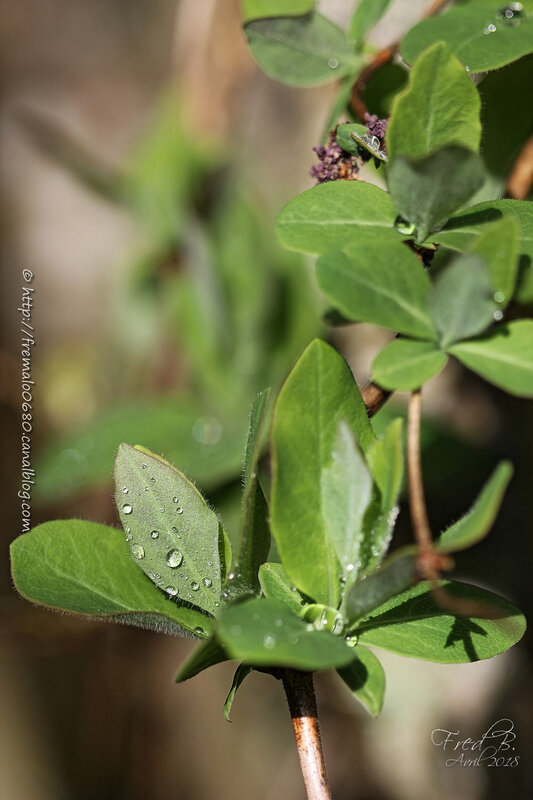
(302, 705)
(417, 500)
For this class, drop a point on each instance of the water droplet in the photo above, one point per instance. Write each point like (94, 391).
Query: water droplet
(511, 14)
(404, 227)
(236, 630)
(467, 68)
(207, 583)
(195, 586)
(294, 589)
(217, 603)
(152, 479)
(490, 28)
(350, 567)
(171, 590)
(278, 623)
(143, 466)
(129, 537)
(199, 631)
(125, 490)
(146, 488)
(175, 500)
(174, 558)
(126, 508)
(209, 563)
(498, 315)
(179, 510)
(154, 534)
(499, 297)
(375, 551)
(127, 529)
(138, 551)
(225, 594)
(269, 641)
(231, 576)
(309, 627)
(333, 63)
(351, 640)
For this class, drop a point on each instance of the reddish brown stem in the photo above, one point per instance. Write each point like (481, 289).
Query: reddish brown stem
(302, 705)
(379, 60)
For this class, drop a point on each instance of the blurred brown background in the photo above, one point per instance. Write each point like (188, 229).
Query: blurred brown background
(90, 711)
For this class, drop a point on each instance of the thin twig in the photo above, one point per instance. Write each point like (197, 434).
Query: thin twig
(380, 59)
(374, 397)
(302, 705)
(521, 177)
(417, 500)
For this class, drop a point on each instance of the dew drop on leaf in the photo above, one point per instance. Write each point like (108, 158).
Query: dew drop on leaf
(143, 466)
(138, 551)
(195, 586)
(199, 631)
(179, 510)
(126, 508)
(174, 558)
(171, 590)
(236, 630)
(125, 490)
(207, 583)
(498, 315)
(175, 500)
(499, 297)
(269, 641)
(154, 534)
(333, 63)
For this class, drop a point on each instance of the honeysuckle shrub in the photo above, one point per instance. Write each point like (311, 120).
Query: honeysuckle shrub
(311, 583)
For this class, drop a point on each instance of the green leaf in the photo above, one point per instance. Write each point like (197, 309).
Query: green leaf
(378, 282)
(366, 15)
(504, 356)
(255, 9)
(332, 214)
(175, 537)
(501, 101)
(266, 633)
(385, 461)
(477, 34)
(426, 191)
(462, 231)
(241, 673)
(440, 106)
(397, 573)
(86, 568)
(301, 51)
(277, 585)
(405, 365)
(498, 246)
(365, 678)
(344, 136)
(319, 393)
(346, 492)
(206, 655)
(383, 87)
(254, 544)
(412, 624)
(462, 302)
(477, 522)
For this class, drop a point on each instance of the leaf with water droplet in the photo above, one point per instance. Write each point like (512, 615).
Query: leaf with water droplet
(263, 642)
(190, 539)
(87, 568)
(477, 32)
(498, 246)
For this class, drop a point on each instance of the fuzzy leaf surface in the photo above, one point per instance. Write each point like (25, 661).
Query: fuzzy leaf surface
(266, 633)
(330, 215)
(477, 522)
(378, 282)
(86, 568)
(412, 624)
(503, 356)
(477, 34)
(319, 393)
(175, 537)
(405, 365)
(301, 51)
(439, 107)
(365, 678)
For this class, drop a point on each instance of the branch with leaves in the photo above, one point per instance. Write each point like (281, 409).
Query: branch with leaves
(310, 584)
